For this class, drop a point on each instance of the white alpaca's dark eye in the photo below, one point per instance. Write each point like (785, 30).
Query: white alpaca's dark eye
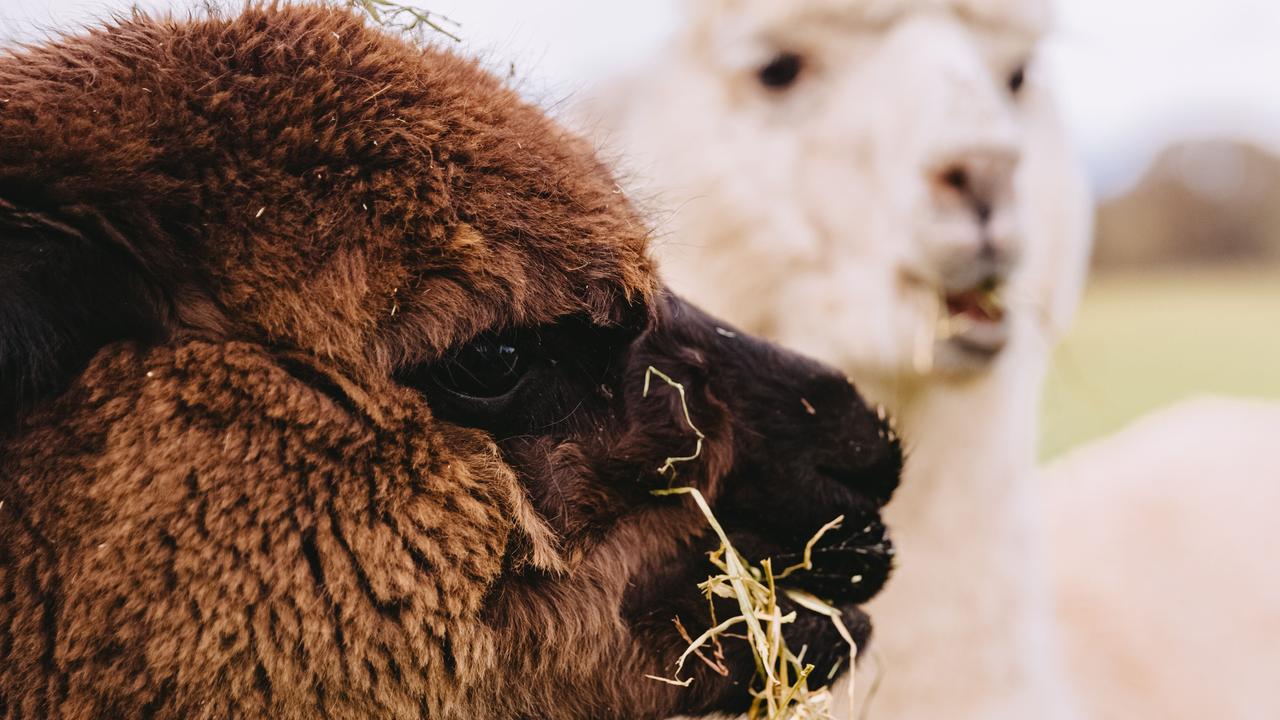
(489, 367)
(782, 71)
(1018, 79)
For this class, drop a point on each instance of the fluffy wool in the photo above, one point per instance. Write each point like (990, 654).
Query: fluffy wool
(1163, 542)
(321, 395)
(802, 159)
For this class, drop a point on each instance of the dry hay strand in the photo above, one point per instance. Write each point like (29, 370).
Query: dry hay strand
(781, 689)
(407, 19)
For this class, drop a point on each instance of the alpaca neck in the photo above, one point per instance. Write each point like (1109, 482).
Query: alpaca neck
(963, 625)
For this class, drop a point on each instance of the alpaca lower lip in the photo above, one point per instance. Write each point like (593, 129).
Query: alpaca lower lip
(980, 338)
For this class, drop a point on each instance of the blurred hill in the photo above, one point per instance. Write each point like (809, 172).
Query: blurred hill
(1187, 298)
(1204, 202)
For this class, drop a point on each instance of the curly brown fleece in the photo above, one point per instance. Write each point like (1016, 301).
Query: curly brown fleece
(233, 251)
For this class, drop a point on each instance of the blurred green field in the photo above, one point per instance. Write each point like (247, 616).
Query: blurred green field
(1145, 341)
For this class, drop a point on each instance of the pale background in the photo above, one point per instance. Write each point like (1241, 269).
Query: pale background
(1174, 105)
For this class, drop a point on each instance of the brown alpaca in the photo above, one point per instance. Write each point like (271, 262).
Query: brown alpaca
(321, 365)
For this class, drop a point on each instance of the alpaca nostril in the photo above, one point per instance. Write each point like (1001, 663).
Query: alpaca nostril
(956, 178)
(974, 179)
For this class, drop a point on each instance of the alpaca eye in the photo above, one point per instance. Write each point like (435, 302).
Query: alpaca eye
(489, 367)
(782, 71)
(520, 379)
(1017, 79)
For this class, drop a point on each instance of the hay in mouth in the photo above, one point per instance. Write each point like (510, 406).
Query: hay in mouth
(983, 303)
(781, 688)
(974, 320)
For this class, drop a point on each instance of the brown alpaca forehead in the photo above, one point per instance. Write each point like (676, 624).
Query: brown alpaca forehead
(294, 177)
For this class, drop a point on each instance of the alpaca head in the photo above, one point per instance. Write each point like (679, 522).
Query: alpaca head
(322, 393)
(858, 178)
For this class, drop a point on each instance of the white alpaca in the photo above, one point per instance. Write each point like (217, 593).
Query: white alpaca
(1164, 545)
(884, 183)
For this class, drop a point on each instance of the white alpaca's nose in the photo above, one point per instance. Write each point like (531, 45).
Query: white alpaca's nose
(972, 194)
(977, 180)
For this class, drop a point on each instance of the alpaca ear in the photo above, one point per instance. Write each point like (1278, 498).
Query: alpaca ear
(1061, 206)
(63, 295)
(1064, 291)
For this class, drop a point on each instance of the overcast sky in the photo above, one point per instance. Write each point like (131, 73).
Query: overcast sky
(1134, 74)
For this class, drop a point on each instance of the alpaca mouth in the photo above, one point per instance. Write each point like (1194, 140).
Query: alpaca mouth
(975, 319)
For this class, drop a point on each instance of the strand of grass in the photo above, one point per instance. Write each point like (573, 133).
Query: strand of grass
(810, 602)
(389, 13)
(807, 562)
(671, 681)
(670, 464)
(778, 649)
(922, 359)
(718, 663)
(801, 681)
(704, 638)
(873, 690)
